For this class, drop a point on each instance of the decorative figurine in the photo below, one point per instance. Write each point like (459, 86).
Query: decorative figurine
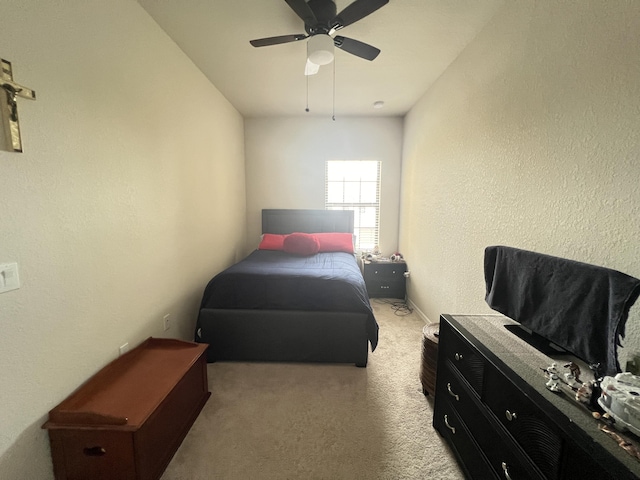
(574, 371)
(552, 374)
(583, 395)
(596, 368)
(571, 381)
(552, 383)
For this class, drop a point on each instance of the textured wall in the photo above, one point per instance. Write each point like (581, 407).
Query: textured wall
(286, 164)
(112, 210)
(529, 139)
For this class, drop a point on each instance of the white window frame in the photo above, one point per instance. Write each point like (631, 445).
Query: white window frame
(360, 208)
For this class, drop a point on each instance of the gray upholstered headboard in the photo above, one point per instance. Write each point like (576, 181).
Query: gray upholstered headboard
(282, 222)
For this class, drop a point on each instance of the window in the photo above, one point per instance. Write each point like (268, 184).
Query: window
(355, 185)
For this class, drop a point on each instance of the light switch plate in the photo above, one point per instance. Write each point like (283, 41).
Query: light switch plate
(9, 279)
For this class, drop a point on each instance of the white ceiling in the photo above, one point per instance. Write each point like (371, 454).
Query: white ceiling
(418, 40)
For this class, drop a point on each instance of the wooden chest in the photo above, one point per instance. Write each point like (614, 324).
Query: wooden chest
(128, 420)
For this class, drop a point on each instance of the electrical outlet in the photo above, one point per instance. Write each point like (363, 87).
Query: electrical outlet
(166, 321)
(9, 279)
(124, 348)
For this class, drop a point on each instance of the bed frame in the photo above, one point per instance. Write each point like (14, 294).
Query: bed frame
(289, 335)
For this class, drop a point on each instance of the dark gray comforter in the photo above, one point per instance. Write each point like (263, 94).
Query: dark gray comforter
(275, 280)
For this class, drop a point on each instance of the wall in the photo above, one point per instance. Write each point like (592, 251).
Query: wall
(286, 164)
(529, 139)
(113, 210)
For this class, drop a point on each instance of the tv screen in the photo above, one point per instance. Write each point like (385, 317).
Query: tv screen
(537, 341)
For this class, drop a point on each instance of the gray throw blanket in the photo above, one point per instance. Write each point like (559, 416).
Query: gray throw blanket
(580, 307)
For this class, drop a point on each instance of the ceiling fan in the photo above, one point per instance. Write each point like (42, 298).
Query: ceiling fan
(321, 21)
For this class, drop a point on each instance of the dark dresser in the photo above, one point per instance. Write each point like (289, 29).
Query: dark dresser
(385, 279)
(492, 407)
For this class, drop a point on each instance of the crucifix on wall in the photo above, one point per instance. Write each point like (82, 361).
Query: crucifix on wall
(9, 106)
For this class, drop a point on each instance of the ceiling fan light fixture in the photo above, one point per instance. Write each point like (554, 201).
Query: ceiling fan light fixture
(320, 48)
(311, 68)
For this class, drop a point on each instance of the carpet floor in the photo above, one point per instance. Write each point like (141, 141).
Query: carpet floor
(320, 421)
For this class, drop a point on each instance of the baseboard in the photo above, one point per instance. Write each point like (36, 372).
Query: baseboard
(420, 313)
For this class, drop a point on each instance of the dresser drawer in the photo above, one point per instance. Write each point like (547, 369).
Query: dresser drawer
(455, 390)
(501, 454)
(527, 423)
(452, 428)
(464, 358)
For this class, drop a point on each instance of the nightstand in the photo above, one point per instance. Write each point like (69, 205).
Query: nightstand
(385, 279)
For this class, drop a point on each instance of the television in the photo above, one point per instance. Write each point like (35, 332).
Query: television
(561, 305)
(540, 343)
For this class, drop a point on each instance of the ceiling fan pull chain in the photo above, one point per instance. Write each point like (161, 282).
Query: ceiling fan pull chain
(307, 109)
(333, 117)
(307, 79)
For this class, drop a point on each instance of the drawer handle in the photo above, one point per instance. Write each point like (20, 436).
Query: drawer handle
(446, 422)
(510, 415)
(94, 451)
(458, 356)
(505, 469)
(451, 392)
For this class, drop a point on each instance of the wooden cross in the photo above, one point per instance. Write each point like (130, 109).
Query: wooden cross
(9, 107)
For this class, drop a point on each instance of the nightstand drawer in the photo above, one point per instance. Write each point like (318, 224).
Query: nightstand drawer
(386, 270)
(385, 289)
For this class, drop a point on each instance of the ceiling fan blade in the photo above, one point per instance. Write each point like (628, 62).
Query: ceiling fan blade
(355, 47)
(303, 10)
(311, 68)
(356, 11)
(265, 42)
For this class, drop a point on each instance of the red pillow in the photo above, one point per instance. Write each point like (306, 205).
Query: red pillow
(301, 244)
(335, 242)
(272, 241)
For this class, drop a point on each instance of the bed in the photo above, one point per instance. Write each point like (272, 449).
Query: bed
(279, 307)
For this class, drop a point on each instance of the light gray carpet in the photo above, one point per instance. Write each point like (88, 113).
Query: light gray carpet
(320, 421)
